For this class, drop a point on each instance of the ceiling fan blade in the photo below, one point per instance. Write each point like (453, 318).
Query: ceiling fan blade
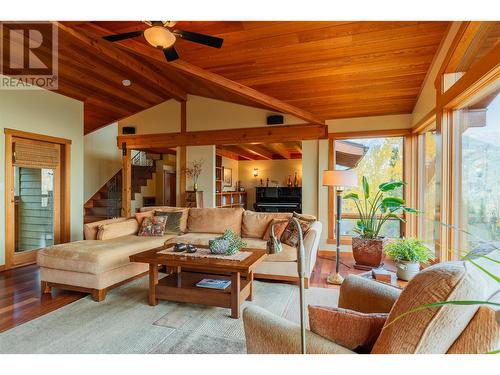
(170, 53)
(118, 37)
(211, 41)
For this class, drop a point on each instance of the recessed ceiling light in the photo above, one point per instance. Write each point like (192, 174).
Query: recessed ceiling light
(126, 82)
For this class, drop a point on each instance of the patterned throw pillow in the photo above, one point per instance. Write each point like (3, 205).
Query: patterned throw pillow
(173, 224)
(291, 235)
(279, 228)
(153, 226)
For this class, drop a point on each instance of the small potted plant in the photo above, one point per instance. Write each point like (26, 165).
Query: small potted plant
(408, 253)
(374, 211)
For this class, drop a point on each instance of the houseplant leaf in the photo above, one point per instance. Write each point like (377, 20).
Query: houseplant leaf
(366, 188)
(389, 186)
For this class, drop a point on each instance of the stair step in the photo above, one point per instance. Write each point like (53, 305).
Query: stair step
(106, 203)
(103, 211)
(91, 219)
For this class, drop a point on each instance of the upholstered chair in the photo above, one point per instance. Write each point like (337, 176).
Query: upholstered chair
(447, 329)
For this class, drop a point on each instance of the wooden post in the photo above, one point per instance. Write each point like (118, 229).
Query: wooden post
(126, 182)
(235, 295)
(183, 158)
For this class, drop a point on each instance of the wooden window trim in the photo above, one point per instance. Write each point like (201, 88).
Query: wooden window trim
(64, 234)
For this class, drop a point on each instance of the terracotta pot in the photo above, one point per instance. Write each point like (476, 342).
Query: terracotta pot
(368, 253)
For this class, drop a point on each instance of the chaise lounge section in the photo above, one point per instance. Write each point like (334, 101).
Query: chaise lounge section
(101, 261)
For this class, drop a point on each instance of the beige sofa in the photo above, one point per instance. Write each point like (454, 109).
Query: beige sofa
(451, 329)
(101, 261)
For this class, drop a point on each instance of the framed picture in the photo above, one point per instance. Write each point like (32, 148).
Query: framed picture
(227, 176)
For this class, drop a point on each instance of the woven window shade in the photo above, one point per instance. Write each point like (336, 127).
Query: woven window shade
(35, 154)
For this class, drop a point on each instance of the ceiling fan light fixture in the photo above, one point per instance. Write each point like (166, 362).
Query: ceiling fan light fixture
(159, 37)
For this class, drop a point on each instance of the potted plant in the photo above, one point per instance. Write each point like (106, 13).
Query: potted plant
(194, 172)
(368, 246)
(408, 253)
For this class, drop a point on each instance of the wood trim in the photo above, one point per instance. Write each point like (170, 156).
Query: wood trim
(66, 194)
(410, 176)
(284, 133)
(124, 59)
(126, 183)
(371, 134)
(34, 136)
(9, 199)
(425, 123)
(331, 195)
(182, 176)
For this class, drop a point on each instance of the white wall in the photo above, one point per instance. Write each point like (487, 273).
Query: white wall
(356, 124)
(310, 173)
(44, 112)
(103, 158)
(206, 181)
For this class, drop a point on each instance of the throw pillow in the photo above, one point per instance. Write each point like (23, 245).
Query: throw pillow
(139, 216)
(118, 229)
(278, 229)
(351, 329)
(153, 226)
(290, 235)
(173, 224)
(303, 217)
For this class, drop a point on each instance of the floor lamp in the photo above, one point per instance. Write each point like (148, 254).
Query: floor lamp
(340, 179)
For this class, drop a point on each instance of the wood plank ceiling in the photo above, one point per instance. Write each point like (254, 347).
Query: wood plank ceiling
(261, 151)
(330, 69)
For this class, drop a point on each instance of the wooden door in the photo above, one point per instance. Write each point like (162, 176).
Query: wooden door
(169, 188)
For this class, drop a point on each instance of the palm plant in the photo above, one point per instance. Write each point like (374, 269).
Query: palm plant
(374, 212)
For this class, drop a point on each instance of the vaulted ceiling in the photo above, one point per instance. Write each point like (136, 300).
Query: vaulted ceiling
(320, 70)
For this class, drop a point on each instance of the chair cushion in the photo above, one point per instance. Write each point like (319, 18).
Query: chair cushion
(255, 224)
(95, 257)
(351, 329)
(90, 229)
(184, 210)
(214, 220)
(434, 330)
(113, 230)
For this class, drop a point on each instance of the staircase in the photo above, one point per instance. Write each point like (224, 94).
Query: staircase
(107, 202)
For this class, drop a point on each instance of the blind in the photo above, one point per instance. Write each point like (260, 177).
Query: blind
(35, 154)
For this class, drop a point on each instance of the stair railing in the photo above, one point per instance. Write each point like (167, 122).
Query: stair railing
(114, 189)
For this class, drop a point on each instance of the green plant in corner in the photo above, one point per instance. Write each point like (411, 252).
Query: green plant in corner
(409, 250)
(374, 212)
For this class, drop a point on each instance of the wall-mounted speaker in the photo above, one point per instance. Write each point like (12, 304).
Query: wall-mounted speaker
(275, 120)
(128, 130)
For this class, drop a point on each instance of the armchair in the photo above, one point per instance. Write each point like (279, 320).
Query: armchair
(446, 329)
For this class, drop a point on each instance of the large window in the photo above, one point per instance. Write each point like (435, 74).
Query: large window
(380, 160)
(477, 146)
(427, 187)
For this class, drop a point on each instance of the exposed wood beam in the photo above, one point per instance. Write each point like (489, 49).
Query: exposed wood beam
(280, 149)
(222, 151)
(221, 81)
(283, 133)
(258, 150)
(242, 152)
(119, 56)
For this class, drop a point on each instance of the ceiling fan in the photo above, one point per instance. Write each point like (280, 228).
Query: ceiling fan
(161, 34)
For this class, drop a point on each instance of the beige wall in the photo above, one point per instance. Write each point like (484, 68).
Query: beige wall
(275, 170)
(168, 162)
(103, 158)
(45, 112)
(206, 181)
(357, 124)
(234, 166)
(162, 118)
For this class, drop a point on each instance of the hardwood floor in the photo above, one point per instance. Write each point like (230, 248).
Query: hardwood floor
(21, 300)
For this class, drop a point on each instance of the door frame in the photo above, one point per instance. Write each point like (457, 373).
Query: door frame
(174, 173)
(11, 259)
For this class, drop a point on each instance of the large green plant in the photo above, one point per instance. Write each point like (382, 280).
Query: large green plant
(375, 211)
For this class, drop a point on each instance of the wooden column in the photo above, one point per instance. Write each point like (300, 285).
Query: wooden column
(126, 182)
(183, 158)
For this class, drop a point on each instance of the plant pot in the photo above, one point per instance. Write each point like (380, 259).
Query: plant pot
(368, 252)
(407, 270)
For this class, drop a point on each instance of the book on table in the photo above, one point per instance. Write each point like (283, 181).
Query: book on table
(213, 284)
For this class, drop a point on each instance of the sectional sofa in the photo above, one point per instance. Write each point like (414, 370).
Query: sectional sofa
(101, 260)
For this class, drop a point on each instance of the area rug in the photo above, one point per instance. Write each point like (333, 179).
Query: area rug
(125, 323)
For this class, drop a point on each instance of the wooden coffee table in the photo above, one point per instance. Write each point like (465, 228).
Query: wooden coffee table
(183, 272)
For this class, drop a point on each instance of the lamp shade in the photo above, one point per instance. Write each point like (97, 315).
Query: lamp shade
(345, 178)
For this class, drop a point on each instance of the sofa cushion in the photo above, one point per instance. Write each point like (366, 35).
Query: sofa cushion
(214, 220)
(184, 210)
(153, 226)
(351, 329)
(95, 257)
(90, 230)
(173, 224)
(113, 230)
(255, 224)
(434, 330)
(140, 216)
